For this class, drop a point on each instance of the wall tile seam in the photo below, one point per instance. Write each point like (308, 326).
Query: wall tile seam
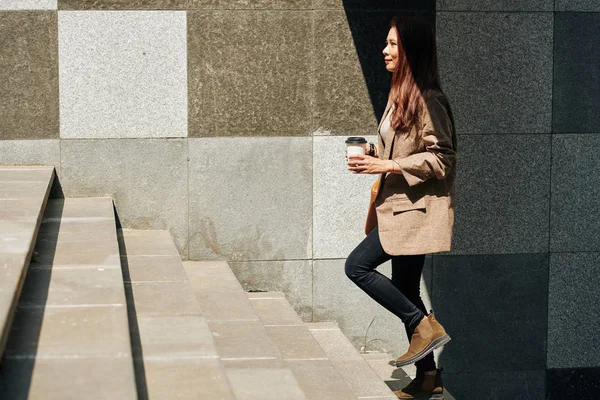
(495, 12)
(572, 368)
(434, 255)
(552, 103)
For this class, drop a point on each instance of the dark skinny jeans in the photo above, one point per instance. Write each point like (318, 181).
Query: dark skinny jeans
(399, 295)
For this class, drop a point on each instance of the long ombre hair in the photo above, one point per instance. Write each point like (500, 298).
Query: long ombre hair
(416, 72)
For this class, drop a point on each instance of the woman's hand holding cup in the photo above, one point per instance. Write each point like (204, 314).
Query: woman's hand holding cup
(361, 164)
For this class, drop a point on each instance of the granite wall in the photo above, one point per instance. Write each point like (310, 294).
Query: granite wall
(223, 122)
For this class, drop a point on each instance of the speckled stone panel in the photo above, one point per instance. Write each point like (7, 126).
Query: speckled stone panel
(575, 210)
(29, 84)
(27, 4)
(249, 73)
(340, 199)
(514, 385)
(350, 81)
(250, 199)
(122, 5)
(577, 5)
(573, 304)
(496, 69)
(147, 179)
(293, 278)
(495, 309)
(495, 5)
(250, 4)
(123, 74)
(503, 194)
(337, 298)
(576, 73)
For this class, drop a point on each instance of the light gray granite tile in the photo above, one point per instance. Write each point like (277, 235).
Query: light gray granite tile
(294, 278)
(251, 198)
(123, 74)
(28, 5)
(341, 199)
(147, 179)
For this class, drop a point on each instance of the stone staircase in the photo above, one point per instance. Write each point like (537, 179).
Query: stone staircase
(105, 313)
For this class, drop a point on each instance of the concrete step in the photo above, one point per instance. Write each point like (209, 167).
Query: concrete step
(24, 192)
(70, 333)
(173, 347)
(359, 375)
(384, 365)
(318, 376)
(253, 362)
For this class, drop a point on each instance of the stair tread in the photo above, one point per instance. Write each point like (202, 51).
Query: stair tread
(299, 347)
(359, 375)
(72, 312)
(23, 195)
(255, 364)
(173, 346)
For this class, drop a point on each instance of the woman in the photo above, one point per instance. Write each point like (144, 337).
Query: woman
(416, 158)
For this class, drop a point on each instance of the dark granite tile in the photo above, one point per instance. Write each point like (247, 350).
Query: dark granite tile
(496, 69)
(122, 4)
(495, 5)
(519, 385)
(575, 208)
(573, 384)
(576, 73)
(502, 202)
(495, 309)
(577, 5)
(29, 84)
(248, 73)
(573, 307)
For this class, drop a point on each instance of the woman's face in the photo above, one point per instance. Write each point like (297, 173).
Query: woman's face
(391, 51)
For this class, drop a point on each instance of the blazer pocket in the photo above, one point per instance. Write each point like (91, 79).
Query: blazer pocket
(405, 204)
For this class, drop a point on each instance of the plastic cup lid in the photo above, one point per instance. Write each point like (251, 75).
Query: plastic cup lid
(356, 140)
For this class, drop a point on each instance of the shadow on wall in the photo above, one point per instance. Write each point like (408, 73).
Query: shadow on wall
(369, 24)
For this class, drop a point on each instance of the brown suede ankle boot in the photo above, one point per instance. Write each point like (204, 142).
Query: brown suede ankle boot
(425, 386)
(422, 344)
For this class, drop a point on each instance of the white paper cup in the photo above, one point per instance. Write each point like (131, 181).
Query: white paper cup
(356, 145)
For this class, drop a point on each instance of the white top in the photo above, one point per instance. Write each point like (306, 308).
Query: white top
(386, 125)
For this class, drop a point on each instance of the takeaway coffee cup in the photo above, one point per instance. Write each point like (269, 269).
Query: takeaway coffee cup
(355, 145)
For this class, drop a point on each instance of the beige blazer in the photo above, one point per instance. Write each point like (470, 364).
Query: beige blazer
(415, 209)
